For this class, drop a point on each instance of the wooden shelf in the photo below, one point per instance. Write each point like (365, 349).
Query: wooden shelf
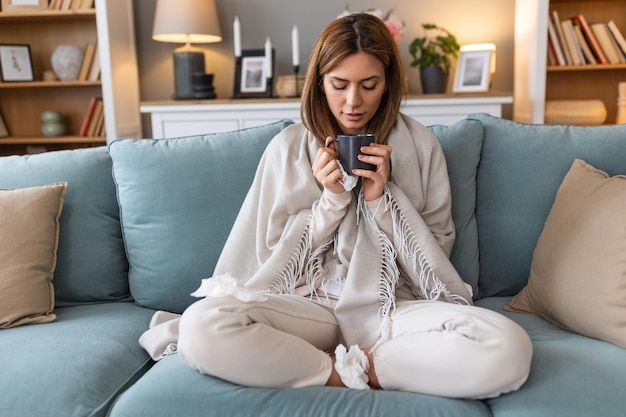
(47, 15)
(43, 140)
(49, 84)
(599, 67)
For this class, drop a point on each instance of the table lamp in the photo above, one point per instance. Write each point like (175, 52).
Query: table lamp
(187, 22)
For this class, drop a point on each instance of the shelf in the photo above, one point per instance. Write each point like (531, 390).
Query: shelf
(42, 140)
(47, 15)
(50, 84)
(600, 67)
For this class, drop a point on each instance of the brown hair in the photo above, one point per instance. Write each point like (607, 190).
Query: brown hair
(359, 32)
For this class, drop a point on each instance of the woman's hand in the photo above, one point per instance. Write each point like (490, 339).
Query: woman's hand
(326, 169)
(374, 181)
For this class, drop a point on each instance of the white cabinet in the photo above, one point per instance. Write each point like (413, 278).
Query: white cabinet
(179, 118)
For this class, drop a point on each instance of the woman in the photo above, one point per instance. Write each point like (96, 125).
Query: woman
(311, 266)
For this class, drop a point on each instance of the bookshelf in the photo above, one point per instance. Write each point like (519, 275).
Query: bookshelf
(21, 103)
(536, 81)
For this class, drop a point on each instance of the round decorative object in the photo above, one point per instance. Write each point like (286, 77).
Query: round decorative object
(66, 61)
(286, 85)
(575, 112)
(52, 123)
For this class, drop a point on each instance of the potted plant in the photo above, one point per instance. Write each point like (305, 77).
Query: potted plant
(432, 54)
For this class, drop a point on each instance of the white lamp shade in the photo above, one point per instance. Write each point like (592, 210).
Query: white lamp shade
(186, 21)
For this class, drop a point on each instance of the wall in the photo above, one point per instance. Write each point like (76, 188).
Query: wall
(471, 22)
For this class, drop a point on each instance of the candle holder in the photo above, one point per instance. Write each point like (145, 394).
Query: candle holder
(296, 70)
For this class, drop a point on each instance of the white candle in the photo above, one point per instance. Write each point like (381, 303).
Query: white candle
(237, 36)
(295, 47)
(268, 58)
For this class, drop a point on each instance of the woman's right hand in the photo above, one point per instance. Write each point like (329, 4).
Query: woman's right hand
(326, 169)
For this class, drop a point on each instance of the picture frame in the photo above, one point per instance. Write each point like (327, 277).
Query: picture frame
(251, 80)
(473, 72)
(24, 5)
(15, 63)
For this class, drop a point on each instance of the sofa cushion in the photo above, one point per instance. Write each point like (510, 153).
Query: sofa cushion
(520, 170)
(178, 200)
(571, 375)
(578, 273)
(171, 388)
(75, 366)
(91, 263)
(461, 144)
(29, 231)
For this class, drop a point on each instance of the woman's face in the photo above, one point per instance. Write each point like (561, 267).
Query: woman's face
(353, 90)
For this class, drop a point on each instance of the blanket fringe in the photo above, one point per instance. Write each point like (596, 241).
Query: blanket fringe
(389, 276)
(430, 286)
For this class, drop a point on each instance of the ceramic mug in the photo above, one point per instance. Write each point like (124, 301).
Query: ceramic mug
(350, 149)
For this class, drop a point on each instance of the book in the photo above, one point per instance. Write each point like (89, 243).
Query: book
(591, 39)
(561, 36)
(554, 41)
(4, 132)
(88, 115)
(94, 69)
(571, 41)
(97, 113)
(604, 38)
(86, 4)
(617, 34)
(584, 45)
(88, 55)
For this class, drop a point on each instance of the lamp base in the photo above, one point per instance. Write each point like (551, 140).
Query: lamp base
(187, 61)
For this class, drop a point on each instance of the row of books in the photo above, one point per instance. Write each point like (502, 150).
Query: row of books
(575, 41)
(93, 122)
(90, 66)
(70, 4)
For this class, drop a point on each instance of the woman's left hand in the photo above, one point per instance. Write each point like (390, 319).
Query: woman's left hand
(374, 181)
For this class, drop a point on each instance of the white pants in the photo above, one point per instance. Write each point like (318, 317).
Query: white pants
(435, 348)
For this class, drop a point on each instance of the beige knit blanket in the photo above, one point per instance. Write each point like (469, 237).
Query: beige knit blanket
(269, 248)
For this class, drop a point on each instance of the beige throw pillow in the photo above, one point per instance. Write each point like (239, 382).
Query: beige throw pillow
(578, 273)
(29, 232)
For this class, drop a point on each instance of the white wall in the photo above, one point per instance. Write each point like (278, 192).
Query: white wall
(471, 22)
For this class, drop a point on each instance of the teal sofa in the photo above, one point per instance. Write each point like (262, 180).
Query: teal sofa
(143, 222)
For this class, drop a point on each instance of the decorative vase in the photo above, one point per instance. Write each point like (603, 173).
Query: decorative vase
(434, 80)
(52, 123)
(66, 61)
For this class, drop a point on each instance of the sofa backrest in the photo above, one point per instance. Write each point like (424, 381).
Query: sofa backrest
(521, 167)
(178, 200)
(91, 265)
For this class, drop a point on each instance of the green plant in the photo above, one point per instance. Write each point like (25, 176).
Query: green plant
(434, 50)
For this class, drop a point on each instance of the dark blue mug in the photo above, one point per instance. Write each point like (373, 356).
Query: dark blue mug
(350, 149)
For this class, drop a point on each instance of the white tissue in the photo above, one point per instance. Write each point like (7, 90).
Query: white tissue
(348, 181)
(221, 285)
(352, 367)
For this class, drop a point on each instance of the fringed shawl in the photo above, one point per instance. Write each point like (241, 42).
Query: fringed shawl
(270, 249)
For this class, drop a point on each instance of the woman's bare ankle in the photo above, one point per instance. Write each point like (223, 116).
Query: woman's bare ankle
(371, 374)
(334, 380)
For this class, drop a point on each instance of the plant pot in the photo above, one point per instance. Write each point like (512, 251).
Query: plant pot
(434, 80)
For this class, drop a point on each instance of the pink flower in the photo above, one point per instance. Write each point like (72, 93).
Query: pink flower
(391, 20)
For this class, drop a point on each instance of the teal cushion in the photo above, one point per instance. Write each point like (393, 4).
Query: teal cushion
(571, 375)
(178, 200)
(171, 388)
(461, 145)
(91, 263)
(520, 170)
(75, 366)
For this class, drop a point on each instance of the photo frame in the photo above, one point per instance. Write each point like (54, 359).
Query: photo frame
(473, 72)
(251, 80)
(23, 5)
(15, 63)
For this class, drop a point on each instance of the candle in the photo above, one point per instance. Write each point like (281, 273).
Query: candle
(295, 47)
(268, 58)
(237, 36)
